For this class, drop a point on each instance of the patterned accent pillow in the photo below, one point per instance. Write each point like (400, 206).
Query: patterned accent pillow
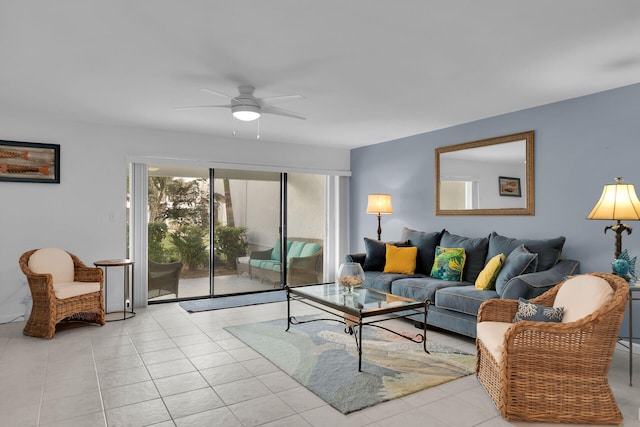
(448, 264)
(537, 313)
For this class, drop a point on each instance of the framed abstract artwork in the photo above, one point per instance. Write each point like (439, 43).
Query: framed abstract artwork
(29, 162)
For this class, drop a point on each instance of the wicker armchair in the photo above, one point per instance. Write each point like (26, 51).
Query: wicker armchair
(69, 291)
(553, 372)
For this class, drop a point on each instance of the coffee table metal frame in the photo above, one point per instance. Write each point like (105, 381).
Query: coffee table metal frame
(366, 307)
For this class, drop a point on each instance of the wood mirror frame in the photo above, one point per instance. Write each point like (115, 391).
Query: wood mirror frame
(527, 174)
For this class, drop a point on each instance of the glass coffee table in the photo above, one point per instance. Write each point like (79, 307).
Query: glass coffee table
(358, 308)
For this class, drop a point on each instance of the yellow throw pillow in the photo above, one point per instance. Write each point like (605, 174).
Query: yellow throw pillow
(400, 260)
(487, 277)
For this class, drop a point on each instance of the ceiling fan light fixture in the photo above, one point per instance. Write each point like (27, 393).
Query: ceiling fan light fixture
(246, 113)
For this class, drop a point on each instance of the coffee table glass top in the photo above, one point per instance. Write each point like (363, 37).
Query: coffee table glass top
(362, 300)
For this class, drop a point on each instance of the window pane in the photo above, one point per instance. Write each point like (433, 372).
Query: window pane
(305, 228)
(178, 238)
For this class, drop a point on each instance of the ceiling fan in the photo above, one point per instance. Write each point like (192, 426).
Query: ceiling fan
(246, 107)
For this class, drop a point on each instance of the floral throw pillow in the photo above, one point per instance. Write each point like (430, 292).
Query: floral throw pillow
(448, 264)
(537, 313)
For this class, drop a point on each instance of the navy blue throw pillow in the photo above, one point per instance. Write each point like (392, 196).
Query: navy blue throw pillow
(528, 310)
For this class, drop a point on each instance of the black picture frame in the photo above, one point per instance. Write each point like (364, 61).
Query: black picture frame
(29, 162)
(509, 187)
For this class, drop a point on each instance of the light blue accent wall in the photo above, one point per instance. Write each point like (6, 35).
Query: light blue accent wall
(580, 145)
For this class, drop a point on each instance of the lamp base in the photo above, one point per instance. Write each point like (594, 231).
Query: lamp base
(618, 229)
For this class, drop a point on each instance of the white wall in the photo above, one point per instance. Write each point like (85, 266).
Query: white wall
(86, 212)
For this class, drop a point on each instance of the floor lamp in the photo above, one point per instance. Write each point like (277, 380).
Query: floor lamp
(618, 202)
(379, 204)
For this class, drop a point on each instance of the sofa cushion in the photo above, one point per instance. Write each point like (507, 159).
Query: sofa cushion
(400, 260)
(53, 261)
(73, 289)
(520, 261)
(582, 295)
(463, 299)
(309, 249)
(475, 250)
(421, 288)
(528, 310)
(548, 250)
(375, 253)
(269, 264)
(448, 264)
(426, 244)
(255, 262)
(295, 250)
(492, 336)
(382, 281)
(275, 252)
(487, 278)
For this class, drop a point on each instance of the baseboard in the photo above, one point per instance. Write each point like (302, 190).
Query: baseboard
(623, 345)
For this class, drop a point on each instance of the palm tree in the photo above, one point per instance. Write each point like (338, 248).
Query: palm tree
(228, 204)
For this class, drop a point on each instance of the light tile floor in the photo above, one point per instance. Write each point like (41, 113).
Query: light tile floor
(166, 367)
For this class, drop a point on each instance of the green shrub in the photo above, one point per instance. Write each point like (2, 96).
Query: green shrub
(192, 245)
(157, 234)
(230, 243)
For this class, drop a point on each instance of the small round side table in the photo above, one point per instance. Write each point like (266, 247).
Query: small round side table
(128, 271)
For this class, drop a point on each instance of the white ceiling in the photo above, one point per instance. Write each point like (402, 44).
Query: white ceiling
(369, 71)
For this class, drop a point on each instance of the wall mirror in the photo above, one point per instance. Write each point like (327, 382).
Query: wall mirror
(489, 177)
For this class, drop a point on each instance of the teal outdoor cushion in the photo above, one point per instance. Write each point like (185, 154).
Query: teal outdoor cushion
(475, 250)
(548, 250)
(295, 250)
(520, 261)
(309, 249)
(255, 262)
(275, 253)
(270, 264)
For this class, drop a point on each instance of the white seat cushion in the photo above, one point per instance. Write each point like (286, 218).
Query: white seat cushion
(492, 336)
(53, 261)
(581, 296)
(73, 289)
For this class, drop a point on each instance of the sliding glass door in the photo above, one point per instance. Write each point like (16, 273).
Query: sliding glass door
(218, 231)
(245, 221)
(178, 232)
(306, 228)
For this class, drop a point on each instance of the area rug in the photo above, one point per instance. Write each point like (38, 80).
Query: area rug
(232, 301)
(324, 359)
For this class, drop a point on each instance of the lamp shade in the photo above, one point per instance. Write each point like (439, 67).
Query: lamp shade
(618, 201)
(379, 204)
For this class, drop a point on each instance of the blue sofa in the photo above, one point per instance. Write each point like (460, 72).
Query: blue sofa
(454, 305)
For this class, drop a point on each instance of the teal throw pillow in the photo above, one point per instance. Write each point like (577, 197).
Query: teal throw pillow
(520, 261)
(528, 310)
(448, 264)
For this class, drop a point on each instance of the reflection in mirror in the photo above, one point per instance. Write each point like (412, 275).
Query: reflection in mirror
(488, 177)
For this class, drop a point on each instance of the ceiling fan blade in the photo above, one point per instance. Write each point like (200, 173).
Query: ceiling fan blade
(273, 99)
(203, 106)
(213, 92)
(270, 109)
